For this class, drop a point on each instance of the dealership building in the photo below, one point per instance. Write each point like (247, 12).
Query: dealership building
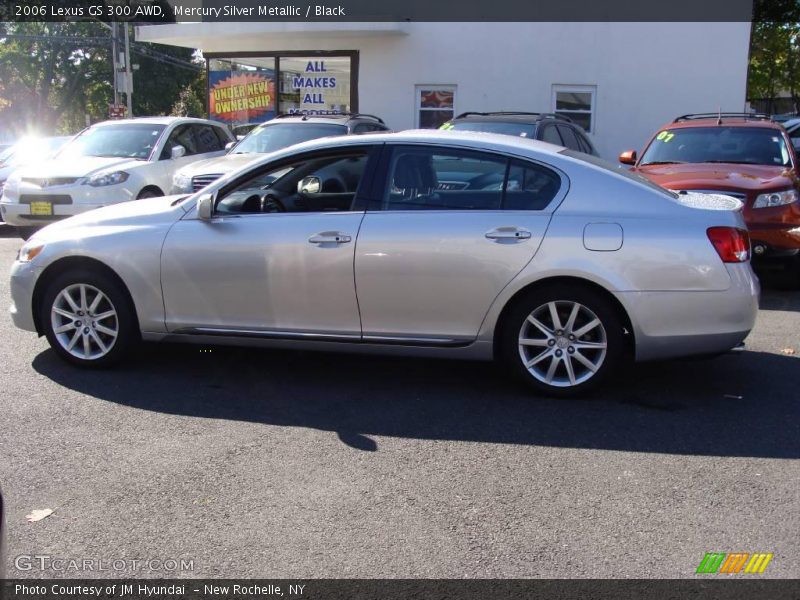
(620, 81)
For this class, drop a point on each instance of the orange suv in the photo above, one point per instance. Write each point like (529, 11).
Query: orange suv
(746, 156)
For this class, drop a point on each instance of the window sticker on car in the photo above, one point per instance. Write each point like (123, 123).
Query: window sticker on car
(665, 136)
(447, 125)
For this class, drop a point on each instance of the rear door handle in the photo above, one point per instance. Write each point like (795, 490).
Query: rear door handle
(330, 237)
(508, 233)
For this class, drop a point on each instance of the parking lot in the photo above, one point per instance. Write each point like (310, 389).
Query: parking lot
(293, 464)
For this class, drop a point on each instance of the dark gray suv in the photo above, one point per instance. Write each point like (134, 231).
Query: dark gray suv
(547, 127)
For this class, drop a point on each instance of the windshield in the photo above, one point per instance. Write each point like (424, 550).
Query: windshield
(517, 129)
(30, 150)
(618, 170)
(720, 144)
(129, 140)
(268, 138)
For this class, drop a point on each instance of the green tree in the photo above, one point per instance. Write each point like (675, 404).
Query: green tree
(49, 81)
(775, 51)
(53, 76)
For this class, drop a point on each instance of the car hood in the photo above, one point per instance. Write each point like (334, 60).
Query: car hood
(720, 176)
(77, 167)
(125, 215)
(221, 165)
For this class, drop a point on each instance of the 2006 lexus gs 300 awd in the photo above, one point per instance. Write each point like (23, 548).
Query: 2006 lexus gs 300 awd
(426, 243)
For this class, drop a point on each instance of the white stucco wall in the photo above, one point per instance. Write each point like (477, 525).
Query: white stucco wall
(645, 73)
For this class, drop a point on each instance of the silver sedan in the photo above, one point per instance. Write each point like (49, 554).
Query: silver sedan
(420, 243)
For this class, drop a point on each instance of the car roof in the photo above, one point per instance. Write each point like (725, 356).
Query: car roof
(723, 121)
(156, 121)
(453, 137)
(510, 116)
(327, 118)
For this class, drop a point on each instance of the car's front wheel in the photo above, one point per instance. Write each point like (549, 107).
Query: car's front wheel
(88, 318)
(563, 340)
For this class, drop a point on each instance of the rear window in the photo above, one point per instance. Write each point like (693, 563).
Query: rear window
(618, 170)
(720, 144)
(525, 130)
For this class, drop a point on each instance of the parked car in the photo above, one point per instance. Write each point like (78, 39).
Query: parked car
(792, 127)
(275, 134)
(742, 155)
(547, 127)
(26, 152)
(451, 244)
(110, 162)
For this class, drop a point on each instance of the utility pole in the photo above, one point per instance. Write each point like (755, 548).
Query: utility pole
(128, 71)
(114, 59)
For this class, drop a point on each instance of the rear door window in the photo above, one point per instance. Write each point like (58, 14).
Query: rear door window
(454, 179)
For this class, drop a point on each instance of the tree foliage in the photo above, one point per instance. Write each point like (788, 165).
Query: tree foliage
(774, 66)
(56, 76)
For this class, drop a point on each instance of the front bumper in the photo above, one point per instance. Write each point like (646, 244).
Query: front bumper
(775, 241)
(66, 200)
(23, 281)
(675, 324)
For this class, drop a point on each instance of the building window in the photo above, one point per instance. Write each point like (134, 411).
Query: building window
(315, 85)
(435, 105)
(254, 89)
(576, 102)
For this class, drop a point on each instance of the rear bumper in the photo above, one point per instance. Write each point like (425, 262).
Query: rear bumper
(674, 324)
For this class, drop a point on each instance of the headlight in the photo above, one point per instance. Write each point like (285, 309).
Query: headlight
(182, 183)
(776, 199)
(102, 179)
(29, 251)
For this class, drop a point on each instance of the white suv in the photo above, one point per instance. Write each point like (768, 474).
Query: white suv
(107, 163)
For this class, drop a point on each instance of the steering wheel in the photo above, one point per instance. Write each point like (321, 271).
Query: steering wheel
(270, 203)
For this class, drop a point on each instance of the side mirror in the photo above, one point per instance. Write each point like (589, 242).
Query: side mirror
(229, 145)
(628, 157)
(205, 206)
(177, 152)
(309, 185)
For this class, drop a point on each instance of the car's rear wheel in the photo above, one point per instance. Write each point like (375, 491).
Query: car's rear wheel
(563, 340)
(88, 319)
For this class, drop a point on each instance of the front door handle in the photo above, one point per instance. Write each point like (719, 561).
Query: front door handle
(508, 233)
(330, 237)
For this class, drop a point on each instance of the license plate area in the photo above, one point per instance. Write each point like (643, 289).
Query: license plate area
(41, 208)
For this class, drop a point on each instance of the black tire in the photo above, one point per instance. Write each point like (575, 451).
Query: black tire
(124, 322)
(26, 232)
(565, 297)
(144, 194)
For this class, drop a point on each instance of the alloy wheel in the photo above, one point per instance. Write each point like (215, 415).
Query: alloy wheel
(562, 343)
(84, 321)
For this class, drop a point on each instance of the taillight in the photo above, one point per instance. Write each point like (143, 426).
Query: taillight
(732, 244)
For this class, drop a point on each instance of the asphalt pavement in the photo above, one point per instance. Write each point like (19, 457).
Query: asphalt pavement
(263, 463)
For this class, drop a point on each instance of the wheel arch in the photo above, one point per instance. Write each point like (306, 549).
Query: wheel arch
(150, 188)
(71, 263)
(630, 339)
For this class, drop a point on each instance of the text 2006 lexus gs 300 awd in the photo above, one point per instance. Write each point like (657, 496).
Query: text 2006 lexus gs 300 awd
(426, 243)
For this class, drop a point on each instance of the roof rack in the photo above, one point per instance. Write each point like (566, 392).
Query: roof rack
(330, 115)
(723, 115)
(512, 113)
